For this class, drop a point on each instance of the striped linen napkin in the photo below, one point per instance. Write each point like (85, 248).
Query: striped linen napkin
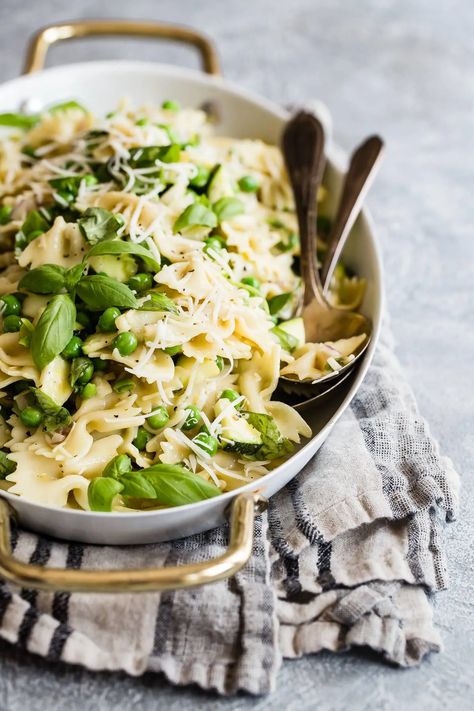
(344, 557)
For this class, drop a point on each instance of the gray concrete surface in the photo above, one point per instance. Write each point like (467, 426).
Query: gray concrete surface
(405, 69)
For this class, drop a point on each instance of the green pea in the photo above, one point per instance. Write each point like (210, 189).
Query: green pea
(31, 416)
(12, 305)
(220, 362)
(88, 391)
(73, 348)
(126, 343)
(107, 320)
(142, 122)
(193, 418)
(142, 438)
(215, 244)
(140, 282)
(230, 395)
(123, 385)
(201, 178)
(207, 443)
(159, 418)
(248, 184)
(170, 105)
(12, 324)
(100, 366)
(251, 281)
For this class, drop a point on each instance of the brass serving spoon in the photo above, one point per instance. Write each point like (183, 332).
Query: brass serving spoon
(303, 149)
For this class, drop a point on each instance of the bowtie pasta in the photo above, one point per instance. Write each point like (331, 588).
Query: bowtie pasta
(149, 285)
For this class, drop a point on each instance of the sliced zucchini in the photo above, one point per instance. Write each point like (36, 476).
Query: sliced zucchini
(237, 434)
(120, 267)
(220, 185)
(294, 327)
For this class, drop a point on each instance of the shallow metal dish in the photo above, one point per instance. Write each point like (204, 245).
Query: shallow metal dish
(99, 85)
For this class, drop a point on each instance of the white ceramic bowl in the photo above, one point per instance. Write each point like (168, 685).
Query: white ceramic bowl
(99, 86)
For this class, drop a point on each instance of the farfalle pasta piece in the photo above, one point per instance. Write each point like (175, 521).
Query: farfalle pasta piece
(63, 244)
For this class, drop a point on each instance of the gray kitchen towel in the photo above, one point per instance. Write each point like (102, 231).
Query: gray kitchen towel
(345, 557)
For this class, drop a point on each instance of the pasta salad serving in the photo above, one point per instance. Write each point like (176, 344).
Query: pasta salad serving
(148, 291)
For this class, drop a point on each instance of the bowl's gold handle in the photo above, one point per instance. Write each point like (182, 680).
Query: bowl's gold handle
(44, 38)
(242, 516)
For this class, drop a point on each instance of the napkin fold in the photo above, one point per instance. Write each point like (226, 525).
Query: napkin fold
(344, 557)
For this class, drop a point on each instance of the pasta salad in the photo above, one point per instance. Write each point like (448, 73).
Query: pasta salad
(149, 284)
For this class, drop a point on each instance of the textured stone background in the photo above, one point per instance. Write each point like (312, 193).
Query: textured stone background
(404, 69)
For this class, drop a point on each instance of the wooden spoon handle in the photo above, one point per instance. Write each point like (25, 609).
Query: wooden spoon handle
(359, 178)
(303, 150)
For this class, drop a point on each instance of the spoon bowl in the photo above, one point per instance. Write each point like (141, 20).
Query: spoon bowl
(303, 148)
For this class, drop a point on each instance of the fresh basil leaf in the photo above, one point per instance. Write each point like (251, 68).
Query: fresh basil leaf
(7, 466)
(101, 493)
(195, 214)
(53, 331)
(16, 120)
(228, 207)
(274, 445)
(290, 244)
(55, 416)
(147, 156)
(121, 464)
(175, 485)
(277, 303)
(68, 188)
(287, 341)
(66, 106)
(26, 331)
(116, 246)
(137, 486)
(97, 224)
(158, 302)
(73, 275)
(46, 279)
(99, 292)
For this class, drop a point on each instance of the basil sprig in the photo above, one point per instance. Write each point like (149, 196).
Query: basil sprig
(228, 207)
(101, 493)
(46, 279)
(99, 292)
(73, 275)
(168, 484)
(17, 120)
(274, 445)
(6, 465)
(175, 485)
(55, 416)
(278, 302)
(287, 341)
(196, 214)
(116, 246)
(135, 484)
(147, 156)
(158, 302)
(53, 331)
(97, 224)
(121, 464)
